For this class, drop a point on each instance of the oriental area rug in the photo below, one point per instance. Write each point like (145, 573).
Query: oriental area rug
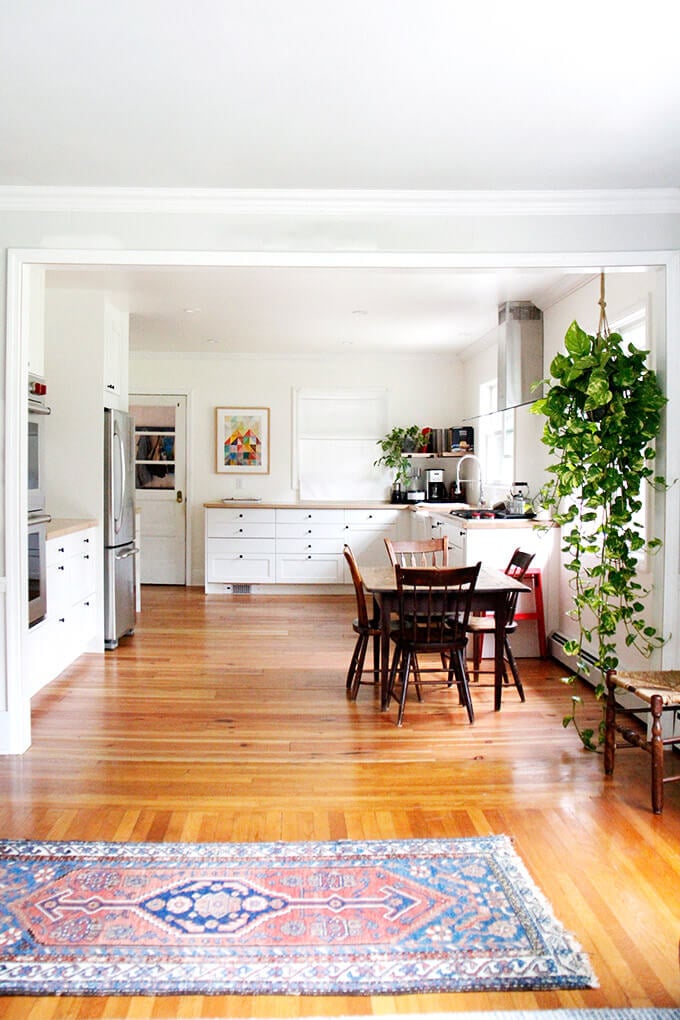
(332, 918)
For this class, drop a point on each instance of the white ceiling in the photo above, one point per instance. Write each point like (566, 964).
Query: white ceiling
(358, 94)
(318, 94)
(316, 311)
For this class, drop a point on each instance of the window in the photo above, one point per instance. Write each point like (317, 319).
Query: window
(155, 446)
(336, 432)
(496, 436)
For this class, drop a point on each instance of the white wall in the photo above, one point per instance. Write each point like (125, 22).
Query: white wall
(202, 223)
(421, 391)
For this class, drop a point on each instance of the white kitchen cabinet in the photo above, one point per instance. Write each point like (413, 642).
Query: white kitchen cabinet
(71, 621)
(309, 546)
(366, 531)
(239, 547)
(294, 545)
(116, 357)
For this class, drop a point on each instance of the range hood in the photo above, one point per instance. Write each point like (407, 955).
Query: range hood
(520, 353)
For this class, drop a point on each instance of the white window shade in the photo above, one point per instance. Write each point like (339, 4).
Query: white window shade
(336, 436)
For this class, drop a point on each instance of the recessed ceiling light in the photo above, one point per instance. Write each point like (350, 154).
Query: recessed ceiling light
(346, 343)
(213, 341)
(359, 311)
(191, 311)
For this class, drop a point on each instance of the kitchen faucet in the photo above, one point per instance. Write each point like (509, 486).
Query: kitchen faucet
(470, 456)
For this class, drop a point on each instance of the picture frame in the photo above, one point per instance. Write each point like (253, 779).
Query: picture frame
(242, 440)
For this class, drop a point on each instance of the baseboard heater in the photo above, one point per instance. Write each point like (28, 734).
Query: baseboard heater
(236, 589)
(625, 700)
(556, 644)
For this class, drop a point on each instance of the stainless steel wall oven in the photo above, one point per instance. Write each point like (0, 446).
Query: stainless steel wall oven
(37, 517)
(37, 568)
(37, 413)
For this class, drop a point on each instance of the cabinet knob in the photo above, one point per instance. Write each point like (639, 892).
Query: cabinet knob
(61, 567)
(240, 556)
(240, 531)
(240, 515)
(309, 546)
(370, 517)
(309, 531)
(62, 619)
(309, 517)
(110, 386)
(309, 557)
(60, 549)
(86, 541)
(86, 556)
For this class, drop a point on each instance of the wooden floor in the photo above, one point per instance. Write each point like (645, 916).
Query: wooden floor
(225, 718)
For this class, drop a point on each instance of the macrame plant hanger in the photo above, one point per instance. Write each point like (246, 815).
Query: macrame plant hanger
(603, 325)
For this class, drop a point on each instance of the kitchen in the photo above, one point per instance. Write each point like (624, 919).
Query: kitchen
(88, 325)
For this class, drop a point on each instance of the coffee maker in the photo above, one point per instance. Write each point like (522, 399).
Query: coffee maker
(434, 485)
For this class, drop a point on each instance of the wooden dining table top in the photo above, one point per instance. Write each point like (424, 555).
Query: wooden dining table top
(489, 582)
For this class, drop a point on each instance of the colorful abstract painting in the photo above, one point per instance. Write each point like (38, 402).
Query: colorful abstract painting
(242, 439)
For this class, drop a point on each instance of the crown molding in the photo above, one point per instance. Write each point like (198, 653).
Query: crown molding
(211, 201)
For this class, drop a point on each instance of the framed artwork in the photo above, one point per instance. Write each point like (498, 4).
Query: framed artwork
(242, 440)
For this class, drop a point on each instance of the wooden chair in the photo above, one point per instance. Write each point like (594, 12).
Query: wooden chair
(365, 627)
(431, 552)
(658, 692)
(480, 627)
(433, 615)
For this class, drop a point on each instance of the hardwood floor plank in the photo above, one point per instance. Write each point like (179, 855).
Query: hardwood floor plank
(226, 719)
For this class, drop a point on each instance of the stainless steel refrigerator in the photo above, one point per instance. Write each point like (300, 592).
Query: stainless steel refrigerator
(120, 554)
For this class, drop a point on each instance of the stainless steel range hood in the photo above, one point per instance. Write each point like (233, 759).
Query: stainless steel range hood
(520, 353)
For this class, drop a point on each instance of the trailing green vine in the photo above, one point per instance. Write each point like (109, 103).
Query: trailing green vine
(603, 413)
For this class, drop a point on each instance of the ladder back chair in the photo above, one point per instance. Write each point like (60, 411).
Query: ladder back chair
(658, 694)
(480, 627)
(365, 626)
(430, 552)
(433, 614)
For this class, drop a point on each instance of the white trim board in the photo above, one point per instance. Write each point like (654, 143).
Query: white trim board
(282, 202)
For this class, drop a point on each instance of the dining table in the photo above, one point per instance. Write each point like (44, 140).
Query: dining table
(490, 595)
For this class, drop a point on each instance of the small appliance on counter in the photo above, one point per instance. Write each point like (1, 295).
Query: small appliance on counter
(434, 486)
(416, 492)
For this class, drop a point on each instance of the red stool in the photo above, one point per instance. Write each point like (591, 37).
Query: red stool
(533, 578)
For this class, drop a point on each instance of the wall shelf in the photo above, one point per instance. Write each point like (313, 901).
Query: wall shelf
(437, 456)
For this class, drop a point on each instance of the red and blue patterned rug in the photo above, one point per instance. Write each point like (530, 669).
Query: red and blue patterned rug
(343, 918)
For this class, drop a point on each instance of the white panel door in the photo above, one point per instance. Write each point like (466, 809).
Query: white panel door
(160, 474)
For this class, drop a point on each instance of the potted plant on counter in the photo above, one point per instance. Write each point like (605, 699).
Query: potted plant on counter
(603, 412)
(395, 447)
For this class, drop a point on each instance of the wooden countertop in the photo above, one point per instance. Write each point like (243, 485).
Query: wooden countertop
(60, 526)
(326, 504)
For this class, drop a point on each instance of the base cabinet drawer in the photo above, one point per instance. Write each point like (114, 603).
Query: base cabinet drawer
(225, 565)
(314, 568)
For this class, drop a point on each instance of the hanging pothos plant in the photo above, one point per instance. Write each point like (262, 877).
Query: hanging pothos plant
(603, 412)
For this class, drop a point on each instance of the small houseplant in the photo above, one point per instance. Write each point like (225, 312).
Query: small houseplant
(394, 446)
(603, 413)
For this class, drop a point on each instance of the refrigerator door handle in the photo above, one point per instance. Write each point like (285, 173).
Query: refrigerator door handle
(118, 512)
(127, 553)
